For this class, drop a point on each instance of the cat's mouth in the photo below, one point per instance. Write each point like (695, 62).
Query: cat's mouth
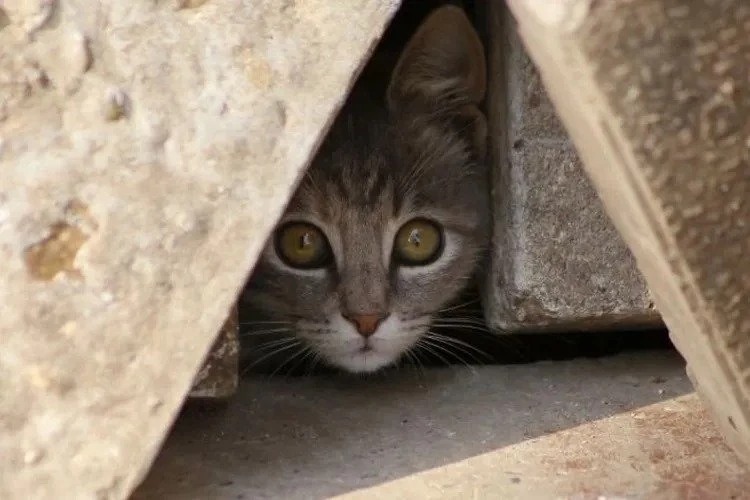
(345, 348)
(366, 357)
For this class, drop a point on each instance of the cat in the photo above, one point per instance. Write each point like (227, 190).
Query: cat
(389, 223)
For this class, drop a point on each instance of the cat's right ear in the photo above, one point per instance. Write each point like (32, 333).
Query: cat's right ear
(442, 63)
(442, 70)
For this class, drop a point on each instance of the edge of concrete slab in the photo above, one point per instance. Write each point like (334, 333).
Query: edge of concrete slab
(715, 368)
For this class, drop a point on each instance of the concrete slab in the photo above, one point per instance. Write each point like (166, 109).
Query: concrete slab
(655, 96)
(558, 263)
(219, 376)
(146, 150)
(625, 426)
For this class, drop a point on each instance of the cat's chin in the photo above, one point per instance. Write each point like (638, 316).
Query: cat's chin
(347, 350)
(362, 361)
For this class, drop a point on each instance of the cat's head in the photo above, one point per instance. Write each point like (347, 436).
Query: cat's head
(388, 224)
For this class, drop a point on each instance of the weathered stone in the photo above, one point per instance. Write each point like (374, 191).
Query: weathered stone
(557, 262)
(219, 375)
(656, 97)
(146, 149)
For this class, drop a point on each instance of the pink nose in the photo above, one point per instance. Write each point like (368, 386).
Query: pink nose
(366, 324)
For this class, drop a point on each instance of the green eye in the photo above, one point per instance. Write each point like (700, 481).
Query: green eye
(303, 246)
(419, 242)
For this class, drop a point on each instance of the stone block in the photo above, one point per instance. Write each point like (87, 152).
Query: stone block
(146, 150)
(557, 261)
(656, 97)
(218, 377)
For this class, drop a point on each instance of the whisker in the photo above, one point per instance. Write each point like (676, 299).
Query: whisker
(459, 358)
(461, 321)
(303, 350)
(459, 342)
(252, 333)
(306, 358)
(466, 318)
(317, 358)
(473, 313)
(430, 348)
(415, 351)
(272, 353)
(314, 362)
(274, 343)
(447, 346)
(458, 306)
(460, 326)
(463, 317)
(462, 346)
(509, 342)
(414, 360)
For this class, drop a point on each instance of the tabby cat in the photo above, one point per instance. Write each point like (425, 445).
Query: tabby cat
(390, 222)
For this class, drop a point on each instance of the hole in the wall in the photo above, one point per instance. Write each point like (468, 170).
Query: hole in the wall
(473, 342)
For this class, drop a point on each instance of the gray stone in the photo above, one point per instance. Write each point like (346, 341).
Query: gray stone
(146, 150)
(557, 262)
(656, 97)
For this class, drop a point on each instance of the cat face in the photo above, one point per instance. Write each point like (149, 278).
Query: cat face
(388, 224)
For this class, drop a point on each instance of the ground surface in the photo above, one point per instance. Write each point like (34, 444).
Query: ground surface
(621, 427)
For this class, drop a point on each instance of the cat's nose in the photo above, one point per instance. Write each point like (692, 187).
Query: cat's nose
(366, 324)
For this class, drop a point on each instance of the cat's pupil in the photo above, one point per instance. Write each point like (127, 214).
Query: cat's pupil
(304, 241)
(415, 238)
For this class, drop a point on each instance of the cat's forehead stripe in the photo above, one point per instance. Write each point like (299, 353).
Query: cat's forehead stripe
(381, 173)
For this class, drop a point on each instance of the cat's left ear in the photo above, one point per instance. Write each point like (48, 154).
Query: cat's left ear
(443, 70)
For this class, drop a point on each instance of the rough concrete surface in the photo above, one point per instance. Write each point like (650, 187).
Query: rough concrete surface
(219, 376)
(656, 97)
(620, 427)
(146, 149)
(558, 263)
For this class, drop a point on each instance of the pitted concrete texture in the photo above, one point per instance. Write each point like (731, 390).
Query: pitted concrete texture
(620, 427)
(558, 263)
(655, 96)
(220, 373)
(146, 149)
